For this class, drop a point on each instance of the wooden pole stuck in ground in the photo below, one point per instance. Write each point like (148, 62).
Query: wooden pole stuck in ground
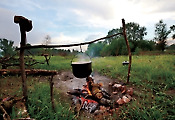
(129, 50)
(51, 91)
(25, 26)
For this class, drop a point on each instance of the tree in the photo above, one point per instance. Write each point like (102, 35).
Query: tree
(171, 47)
(7, 48)
(94, 49)
(161, 34)
(47, 40)
(134, 34)
(146, 45)
(172, 28)
(112, 32)
(117, 47)
(7, 52)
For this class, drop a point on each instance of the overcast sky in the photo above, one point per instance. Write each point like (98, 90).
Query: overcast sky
(74, 21)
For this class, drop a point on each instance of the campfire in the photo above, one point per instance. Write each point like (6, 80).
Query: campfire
(93, 97)
(98, 101)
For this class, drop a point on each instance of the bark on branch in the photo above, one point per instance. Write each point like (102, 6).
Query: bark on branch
(28, 72)
(129, 50)
(69, 45)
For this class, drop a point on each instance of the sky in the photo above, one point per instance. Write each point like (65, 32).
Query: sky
(76, 21)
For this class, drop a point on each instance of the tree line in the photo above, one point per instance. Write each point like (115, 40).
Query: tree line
(135, 33)
(7, 49)
(9, 56)
(109, 47)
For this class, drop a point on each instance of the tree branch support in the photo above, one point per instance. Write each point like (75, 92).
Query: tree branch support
(129, 50)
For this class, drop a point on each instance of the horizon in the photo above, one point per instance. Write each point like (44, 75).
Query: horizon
(77, 21)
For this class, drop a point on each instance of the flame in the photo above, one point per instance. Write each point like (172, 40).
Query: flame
(89, 92)
(87, 89)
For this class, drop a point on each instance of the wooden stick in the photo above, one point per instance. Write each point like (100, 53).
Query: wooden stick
(5, 114)
(129, 50)
(51, 92)
(28, 72)
(69, 45)
(22, 64)
(25, 25)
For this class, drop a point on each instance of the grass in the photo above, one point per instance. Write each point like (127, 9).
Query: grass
(39, 105)
(153, 79)
(151, 76)
(55, 63)
(147, 71)
(10, 86)
(39, 101)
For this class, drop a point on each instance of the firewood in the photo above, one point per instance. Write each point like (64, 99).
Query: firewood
(77, 92)
(123, 89)
(28, 72)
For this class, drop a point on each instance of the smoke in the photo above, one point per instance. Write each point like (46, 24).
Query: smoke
(81, 58)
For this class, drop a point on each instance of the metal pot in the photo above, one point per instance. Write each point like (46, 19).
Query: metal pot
(81, 65)
(81, 69)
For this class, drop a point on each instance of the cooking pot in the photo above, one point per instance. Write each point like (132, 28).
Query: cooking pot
(81, 66)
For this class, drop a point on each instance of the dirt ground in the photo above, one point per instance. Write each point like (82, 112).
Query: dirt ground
(63, 82)
(66, 81)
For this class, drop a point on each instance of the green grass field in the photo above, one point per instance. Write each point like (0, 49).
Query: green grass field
(149, 72)
(40, 106)
(55, 63)
(152, 77)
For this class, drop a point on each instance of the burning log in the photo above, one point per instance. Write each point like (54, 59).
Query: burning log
(95, 88)
(92, 97)
(101, 96)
